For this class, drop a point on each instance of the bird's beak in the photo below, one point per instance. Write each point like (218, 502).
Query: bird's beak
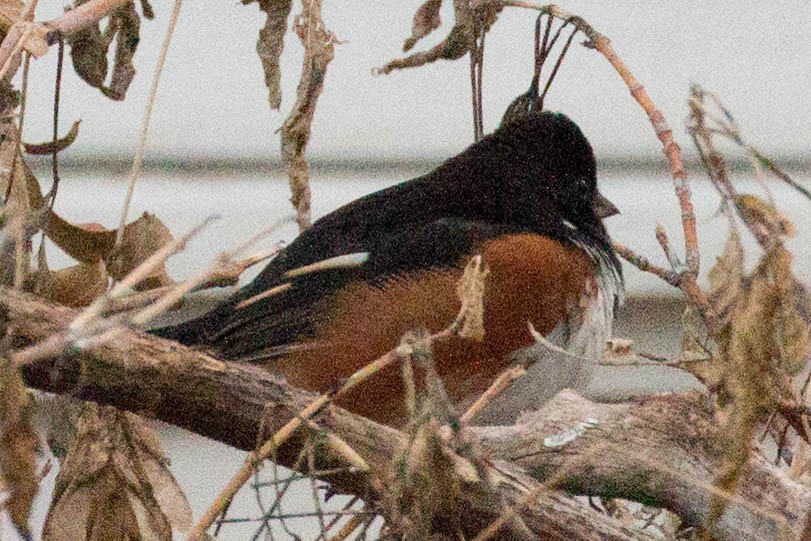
(603, 207)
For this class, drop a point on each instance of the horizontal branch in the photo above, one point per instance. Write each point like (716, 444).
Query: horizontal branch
(661, 450)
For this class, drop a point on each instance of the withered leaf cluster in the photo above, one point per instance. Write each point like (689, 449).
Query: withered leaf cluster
(469, 23)
(319, 51)
(90, 46)
(762, 341)
(764, 335)
(115, 483)
(91, 245)
(318, 45)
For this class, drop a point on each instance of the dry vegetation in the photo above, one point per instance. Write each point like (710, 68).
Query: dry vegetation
(700, 456)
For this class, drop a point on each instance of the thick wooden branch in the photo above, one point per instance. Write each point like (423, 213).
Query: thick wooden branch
(659, 450)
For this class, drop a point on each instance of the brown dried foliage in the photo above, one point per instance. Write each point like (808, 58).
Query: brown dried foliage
(761, 345)
(90, 244)
(89, 47)
(19, 447)
(50, 147)
(115, 483)
(469, 23)
(319, 50)
(426, 20)
(270, 44)
(760, 324)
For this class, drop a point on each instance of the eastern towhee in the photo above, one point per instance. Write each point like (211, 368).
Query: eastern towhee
(346, 290)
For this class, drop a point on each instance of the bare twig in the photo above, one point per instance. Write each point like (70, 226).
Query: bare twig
(504, 380)
(153, 90)
(642, 263)
(703, 126)
(85, 15)
(57, 95)
(347, 529)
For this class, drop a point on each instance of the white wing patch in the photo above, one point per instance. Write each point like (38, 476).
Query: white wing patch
(343, 261)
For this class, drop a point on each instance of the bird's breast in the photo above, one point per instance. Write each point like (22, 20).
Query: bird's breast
(532, 278)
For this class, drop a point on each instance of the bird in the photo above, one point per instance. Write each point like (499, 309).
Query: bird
(345, 291)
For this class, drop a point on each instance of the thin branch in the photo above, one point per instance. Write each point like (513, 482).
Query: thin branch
(643, 264)
(85, 15)
(139, 153)
(57, 95)
(502, 382)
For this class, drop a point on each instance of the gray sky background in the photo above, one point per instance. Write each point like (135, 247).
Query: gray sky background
(212, 99)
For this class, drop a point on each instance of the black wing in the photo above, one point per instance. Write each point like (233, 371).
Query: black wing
(281, 309)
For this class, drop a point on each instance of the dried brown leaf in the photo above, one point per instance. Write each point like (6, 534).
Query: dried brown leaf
(468, 24)
(19, 446)
(146, 9)
(35, 40)
(727, 279)
(270, 44)
(127, 26)
(89, 243)
(89, 48)
(763, 215)
(76, 286)
(88, 52)
(141, 239)
(61, 144)
(763, 343)
(318, 53)
(426, 20)
(768, 334)
(25, 191)
(86, 243)
(788, 323)
(20, 214)
(30, 186)
(115, 484)
(470, 290)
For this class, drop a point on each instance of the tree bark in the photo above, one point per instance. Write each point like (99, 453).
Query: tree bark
(659, 450)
